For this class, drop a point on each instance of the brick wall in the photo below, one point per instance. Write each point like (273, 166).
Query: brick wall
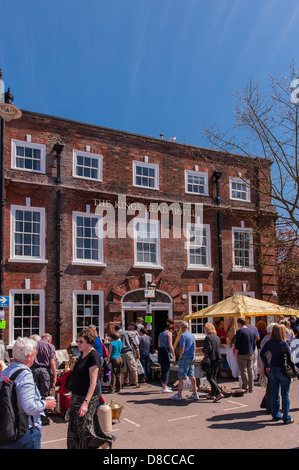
(119, 149)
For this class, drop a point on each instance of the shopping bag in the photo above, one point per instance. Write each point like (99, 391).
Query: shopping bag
(139, 367)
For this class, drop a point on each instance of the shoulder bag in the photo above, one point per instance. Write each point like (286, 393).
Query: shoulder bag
(289, 368)
(206, 364)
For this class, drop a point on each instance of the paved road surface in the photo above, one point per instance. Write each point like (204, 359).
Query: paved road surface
(150, 420)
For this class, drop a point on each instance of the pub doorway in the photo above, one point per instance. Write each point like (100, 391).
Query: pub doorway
(134, 305)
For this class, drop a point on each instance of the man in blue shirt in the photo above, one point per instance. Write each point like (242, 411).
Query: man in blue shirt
(245, 346)
(186, 362)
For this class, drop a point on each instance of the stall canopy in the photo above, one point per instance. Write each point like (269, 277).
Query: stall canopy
(239, 306)
(242, 306)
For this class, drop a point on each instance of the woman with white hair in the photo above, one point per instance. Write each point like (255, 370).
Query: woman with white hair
(24, 351)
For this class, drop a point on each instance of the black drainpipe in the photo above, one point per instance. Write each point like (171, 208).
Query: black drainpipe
(58, 148)
(218, 175)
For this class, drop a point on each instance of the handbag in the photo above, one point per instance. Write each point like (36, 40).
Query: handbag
(288, 369)
(170, 356)
(206, 364)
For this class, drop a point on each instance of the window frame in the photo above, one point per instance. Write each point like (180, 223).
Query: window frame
(101, 309)
(154, 166)
(199, 336)
(12, 293)
(249, 268)
(204, 174)
(32, 145)
(199, 267)
(80, 261)
(138, 264)
(234, 179)
(28, 259)
(97, 156)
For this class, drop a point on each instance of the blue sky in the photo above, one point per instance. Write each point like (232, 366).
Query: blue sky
(143, 66)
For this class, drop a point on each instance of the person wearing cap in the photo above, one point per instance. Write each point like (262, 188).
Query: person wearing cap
(132, 327)
(139, 324)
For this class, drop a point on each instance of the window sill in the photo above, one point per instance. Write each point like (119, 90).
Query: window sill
(236, 269)
(82, 263)
(145, 187)
(31, 260)
(239, 200)
(147, 266)
(190, 193)
(85, 178)
(28, 170)
(199, 268)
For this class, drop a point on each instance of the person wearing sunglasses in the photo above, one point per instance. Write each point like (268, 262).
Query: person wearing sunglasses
(84, 431)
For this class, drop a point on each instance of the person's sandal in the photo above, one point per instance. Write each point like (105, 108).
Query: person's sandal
(218, 398)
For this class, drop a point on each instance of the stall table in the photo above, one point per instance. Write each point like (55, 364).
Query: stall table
(231, 360)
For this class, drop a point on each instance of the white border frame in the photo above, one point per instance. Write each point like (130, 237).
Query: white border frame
(197, 173)
(101, 306)
(99, 157)
(41, 292)
(28, 259)
(210, 301)
(32, 145)
(155, 166)
(251, 253)
(81, 262)
(157, 265)
(197, 267)
(235, 179)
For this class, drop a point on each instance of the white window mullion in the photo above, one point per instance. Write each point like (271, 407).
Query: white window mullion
(146, 175)
(87, 239)
(242, 249)
(27, 234)
(147, 243)
(88, 309)
(28, 156)
(239, 189)
(198, 246)
(196, 182)
(27, 313)
(87, 165)
(199, 301)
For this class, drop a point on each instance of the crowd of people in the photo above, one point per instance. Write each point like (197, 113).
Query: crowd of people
(129, 354)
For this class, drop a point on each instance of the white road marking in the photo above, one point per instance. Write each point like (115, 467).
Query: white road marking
(132, 422)
(55, 440)
(240, 405)
(183, 417)
(64, 438)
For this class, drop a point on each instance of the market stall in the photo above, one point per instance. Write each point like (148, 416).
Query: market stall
(238, 306)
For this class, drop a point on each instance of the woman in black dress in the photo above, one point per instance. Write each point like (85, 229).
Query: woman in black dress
(211, 349)
(84, 431)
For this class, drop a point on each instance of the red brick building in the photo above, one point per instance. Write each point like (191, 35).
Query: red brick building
(67, 183)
